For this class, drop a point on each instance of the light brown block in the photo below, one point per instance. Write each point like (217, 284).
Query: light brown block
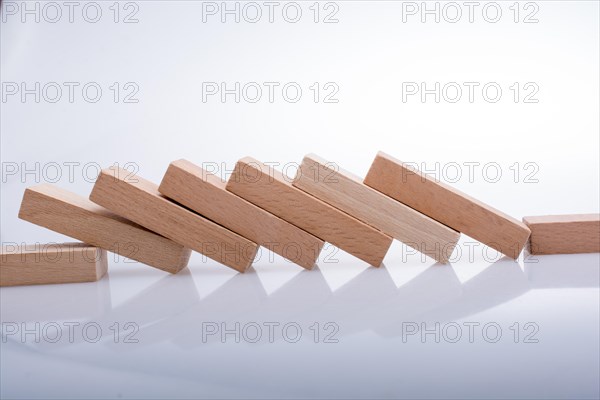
(347, 192)
(51, 263)
(269, 189)
(447, 205)
(137, 199)
(205, 193)
(75, 216)
(564, 234)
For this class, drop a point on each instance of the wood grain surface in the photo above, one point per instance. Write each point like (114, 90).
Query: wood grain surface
(205, 193)
(447, 205)
(75, 216)
(39, 264)
(564, 234)
(269, 189)
(344, 190)
(139, 200)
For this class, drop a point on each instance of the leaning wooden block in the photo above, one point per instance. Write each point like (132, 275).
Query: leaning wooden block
(51, 263)
(205, 193)
(75, 216)
(269, 189)
(347, 192)
(564, 234)
(447, 205)
(139, 200)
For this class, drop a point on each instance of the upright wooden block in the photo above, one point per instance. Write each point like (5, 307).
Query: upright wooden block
(205, 193)
(51, 263)
(75, 216)
(269, 189)
(347, 192)
(447, 205)
(564, 234)
(139, 200)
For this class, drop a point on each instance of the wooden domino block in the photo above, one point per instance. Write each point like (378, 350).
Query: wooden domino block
(447, 205)
(347, 192)
(51, 263)
(564, 234)
(205, 193)
(139, 200)
(269, 189)
(75, 216)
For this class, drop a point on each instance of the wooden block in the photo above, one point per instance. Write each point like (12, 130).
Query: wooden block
(75, 216)
(51, 263)
(137, 199)
(205, 193)
(347, 192)
(564, 234)
(447, 205)
(269, 189)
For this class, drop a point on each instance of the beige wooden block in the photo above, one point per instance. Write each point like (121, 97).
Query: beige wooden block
(139, 200)
(269, 189)
(51, 263)
(75, 216)
(447, 205)
(564, 234)
(205, 193)
(347, 192)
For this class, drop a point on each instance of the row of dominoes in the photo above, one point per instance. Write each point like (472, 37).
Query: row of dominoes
(259, 206)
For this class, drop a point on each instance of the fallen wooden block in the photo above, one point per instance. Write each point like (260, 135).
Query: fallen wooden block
(205, 193)
(447, 205)
(139, 200)
(269, 189)
(51, 263)
(75, 216)
(347, 192)
(564, 234)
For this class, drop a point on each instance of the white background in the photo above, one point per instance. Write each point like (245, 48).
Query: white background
(369, 53)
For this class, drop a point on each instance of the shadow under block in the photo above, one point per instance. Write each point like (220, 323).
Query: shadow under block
(205, 193)
(75, 216)
(51, 263)
(564, 234)
(447, 205)
(347, 192)
(269, 189)
(139, 200)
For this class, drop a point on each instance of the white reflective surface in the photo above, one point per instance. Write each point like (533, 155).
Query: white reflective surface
(505, 329)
